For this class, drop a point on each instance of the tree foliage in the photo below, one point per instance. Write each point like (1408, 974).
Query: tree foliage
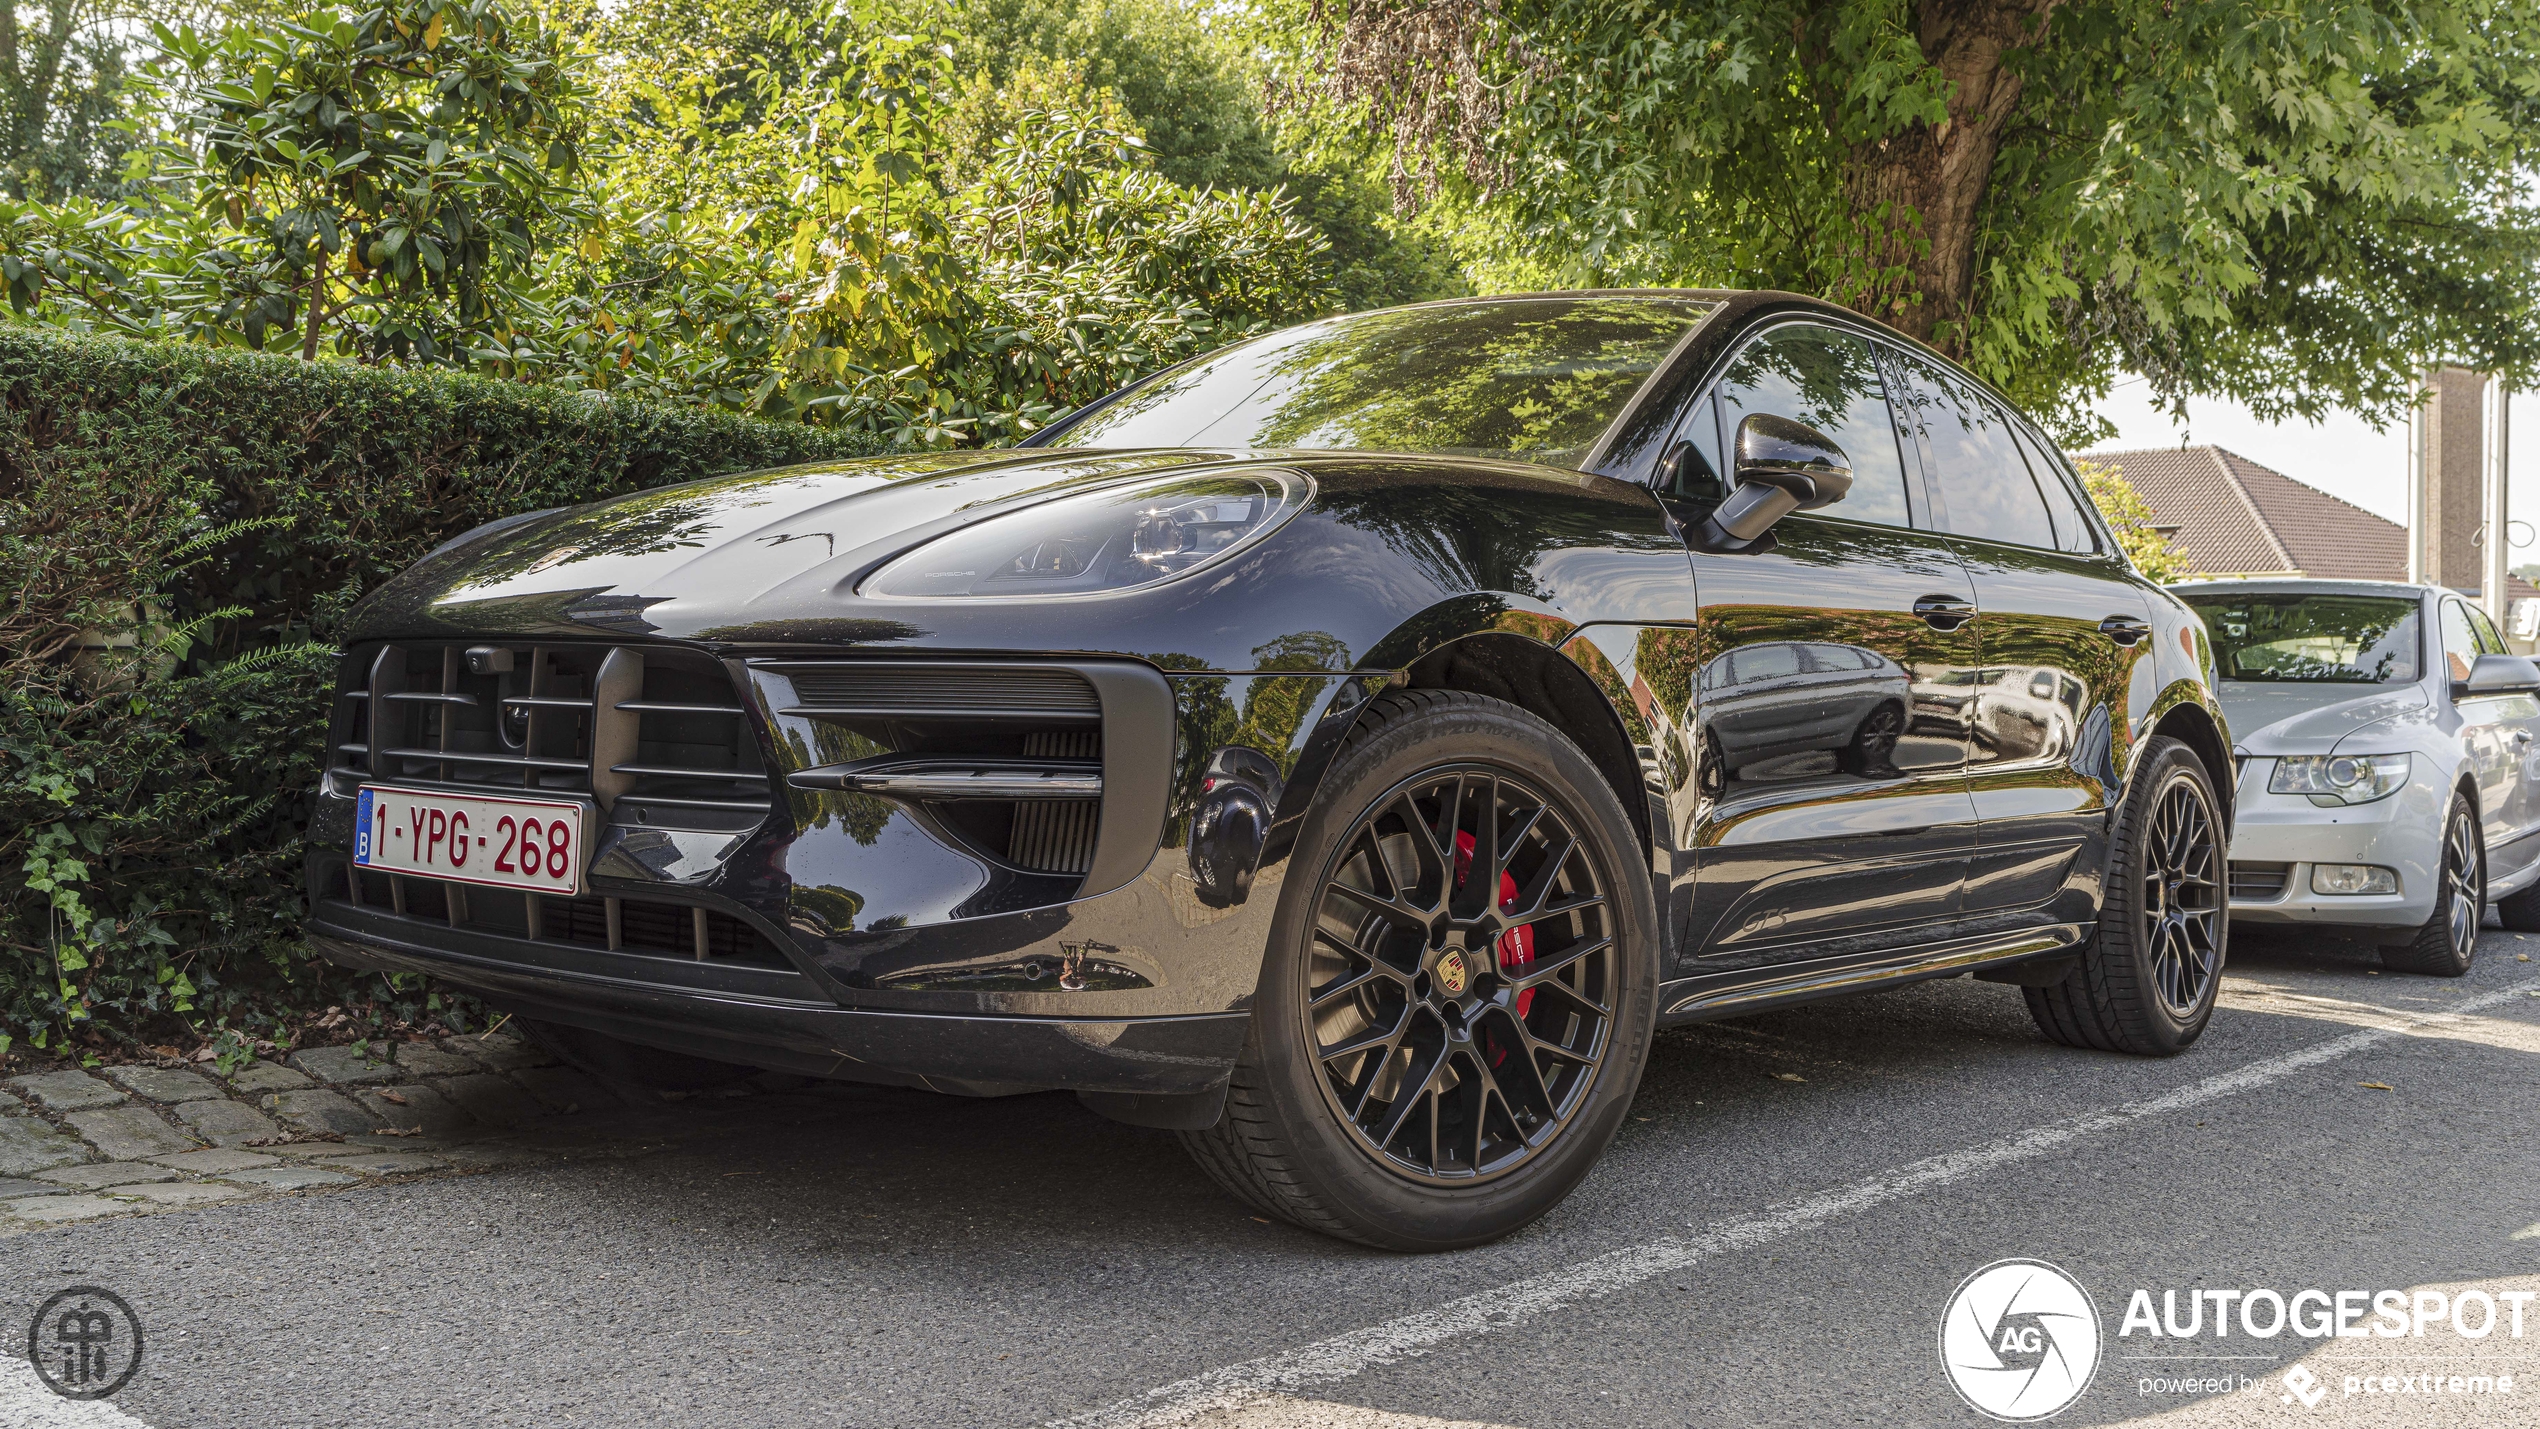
(790, 208)
(2131, 520)
(2293, 205)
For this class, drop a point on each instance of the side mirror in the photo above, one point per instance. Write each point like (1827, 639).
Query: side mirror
(1781, 466)
(2498, 675)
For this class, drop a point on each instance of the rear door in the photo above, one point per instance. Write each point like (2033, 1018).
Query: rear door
(2061, 624)
(1830, 815)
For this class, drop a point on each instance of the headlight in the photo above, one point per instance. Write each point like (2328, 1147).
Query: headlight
(2345, 778)
(1098, 542)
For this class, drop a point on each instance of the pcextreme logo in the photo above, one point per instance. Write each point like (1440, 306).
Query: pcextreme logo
(2020, 1340)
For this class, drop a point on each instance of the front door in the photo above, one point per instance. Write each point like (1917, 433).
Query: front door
(1832, 809)
(2496, 733)
(2061, 624)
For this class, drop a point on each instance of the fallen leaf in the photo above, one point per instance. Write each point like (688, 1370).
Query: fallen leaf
(2522, 957)
(2530, 1232)
(397, 1097)
(1789, 1077)
(2378, 1086)
(401, 1131)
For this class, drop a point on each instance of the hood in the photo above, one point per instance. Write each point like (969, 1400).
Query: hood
(2273, 718)
(688, 555)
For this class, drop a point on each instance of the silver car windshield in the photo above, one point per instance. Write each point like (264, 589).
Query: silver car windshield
(2313, 639)
(1534, 379)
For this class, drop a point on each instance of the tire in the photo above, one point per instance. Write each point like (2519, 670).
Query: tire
(2147, 980)
(1429, 1133)
(2520, 912)
(620, 1063)
(2448, 942)
(1871, 753)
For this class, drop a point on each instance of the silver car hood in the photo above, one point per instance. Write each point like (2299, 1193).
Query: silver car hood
(2272, 718)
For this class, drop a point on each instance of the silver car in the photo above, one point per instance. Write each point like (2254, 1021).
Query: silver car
(2387, 772)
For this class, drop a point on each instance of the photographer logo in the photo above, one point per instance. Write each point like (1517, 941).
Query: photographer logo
(2020, 1340)
(85, 1343)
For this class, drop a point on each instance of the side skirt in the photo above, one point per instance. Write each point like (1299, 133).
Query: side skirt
(1704, 999)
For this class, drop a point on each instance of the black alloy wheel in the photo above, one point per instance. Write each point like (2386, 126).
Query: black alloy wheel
(2183, 899)
(1460, 986)
(1457, 1031)
(2448, 942)
(2146, 982)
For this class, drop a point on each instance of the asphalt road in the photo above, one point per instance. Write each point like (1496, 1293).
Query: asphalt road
(1771, 1241)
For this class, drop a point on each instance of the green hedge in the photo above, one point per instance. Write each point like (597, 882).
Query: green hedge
(181, 530)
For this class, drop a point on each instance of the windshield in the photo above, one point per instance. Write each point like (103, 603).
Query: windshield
(1535, 379)
(2336, 639)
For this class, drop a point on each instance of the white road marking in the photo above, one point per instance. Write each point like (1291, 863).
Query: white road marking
(1346, 1356)
(26, 1404)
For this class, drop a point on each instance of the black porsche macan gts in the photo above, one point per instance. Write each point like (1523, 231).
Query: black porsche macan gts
(1344, 749)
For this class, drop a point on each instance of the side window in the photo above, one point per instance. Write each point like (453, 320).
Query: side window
(2073, 530)
(1985, 489)
(1830, 381)
(2489, 642)
(2460, 639)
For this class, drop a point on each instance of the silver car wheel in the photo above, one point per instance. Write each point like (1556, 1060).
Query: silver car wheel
(2464, 893)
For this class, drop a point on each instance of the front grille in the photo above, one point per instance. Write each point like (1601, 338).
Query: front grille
(2258, 882)
(924, 692)
(630, 925)
(1056, 835)
(1013, 714)
(657, 734)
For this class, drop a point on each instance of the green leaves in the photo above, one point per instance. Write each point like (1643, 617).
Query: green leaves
(2296, 205)
(164, 659)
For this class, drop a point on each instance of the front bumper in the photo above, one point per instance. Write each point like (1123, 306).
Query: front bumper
(811, 1035)
(2285, 836)
(733, 913)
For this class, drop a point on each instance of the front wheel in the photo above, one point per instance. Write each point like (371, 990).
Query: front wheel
(2448, 942)
(2146, 983)
(1459, 990)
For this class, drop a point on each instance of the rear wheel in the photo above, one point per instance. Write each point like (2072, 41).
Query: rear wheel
(2146, 983)
(2448, 942)
(1459, 991)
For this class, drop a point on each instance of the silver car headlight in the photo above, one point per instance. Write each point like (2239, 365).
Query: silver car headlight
(1103, 542)
(2345, 778)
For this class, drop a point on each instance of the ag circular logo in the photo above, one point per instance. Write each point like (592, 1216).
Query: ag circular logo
(85, 1343)
(2020, 1340)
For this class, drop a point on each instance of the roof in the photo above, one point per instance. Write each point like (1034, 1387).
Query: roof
(2230, 516)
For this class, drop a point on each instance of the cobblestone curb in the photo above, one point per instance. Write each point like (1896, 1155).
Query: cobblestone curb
(77, 1146)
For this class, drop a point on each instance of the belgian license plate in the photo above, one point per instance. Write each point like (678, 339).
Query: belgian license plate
(471, 838)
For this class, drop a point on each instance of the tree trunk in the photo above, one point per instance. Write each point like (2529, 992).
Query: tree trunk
(317, 304)
(27, 79)
(1915, 195)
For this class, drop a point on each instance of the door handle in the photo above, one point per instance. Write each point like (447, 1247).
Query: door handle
(2125, 629)
(1945, 612)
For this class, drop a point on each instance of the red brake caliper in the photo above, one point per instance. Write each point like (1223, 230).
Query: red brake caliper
(1517, 945)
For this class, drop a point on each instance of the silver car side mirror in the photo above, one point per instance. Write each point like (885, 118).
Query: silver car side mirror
(2498, 675)
(1781, 466)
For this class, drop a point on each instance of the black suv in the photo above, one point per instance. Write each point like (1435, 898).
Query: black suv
(1344, 749)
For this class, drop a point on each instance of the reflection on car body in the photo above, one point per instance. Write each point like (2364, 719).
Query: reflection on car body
(1791, 709)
